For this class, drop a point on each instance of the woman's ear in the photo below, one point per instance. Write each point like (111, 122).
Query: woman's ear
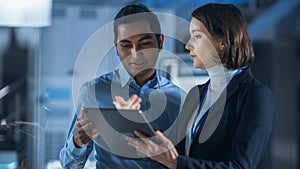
(221, 45)
(161, 41)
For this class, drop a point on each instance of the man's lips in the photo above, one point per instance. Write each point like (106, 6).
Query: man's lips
(138, 64)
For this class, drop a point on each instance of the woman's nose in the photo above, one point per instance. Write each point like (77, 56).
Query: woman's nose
(187, 46)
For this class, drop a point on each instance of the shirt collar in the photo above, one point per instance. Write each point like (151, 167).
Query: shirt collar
(122, 75)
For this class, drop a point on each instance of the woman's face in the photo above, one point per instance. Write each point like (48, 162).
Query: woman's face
(202, 46)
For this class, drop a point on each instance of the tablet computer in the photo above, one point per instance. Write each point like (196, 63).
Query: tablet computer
(115, 125)
(122, 121)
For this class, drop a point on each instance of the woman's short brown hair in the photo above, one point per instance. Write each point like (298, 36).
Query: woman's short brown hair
(226, 21)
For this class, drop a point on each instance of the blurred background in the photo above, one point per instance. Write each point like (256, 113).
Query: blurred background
(40, 41)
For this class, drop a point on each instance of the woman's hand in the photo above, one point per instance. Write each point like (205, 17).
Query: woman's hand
(133, 103)
(162, 151)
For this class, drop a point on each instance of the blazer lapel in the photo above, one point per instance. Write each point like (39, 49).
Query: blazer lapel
(178, 131)
(216, 111)
(236, 83)
(188, 112)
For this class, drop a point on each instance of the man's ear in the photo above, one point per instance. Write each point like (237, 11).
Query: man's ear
(115, 42)
(161, 41)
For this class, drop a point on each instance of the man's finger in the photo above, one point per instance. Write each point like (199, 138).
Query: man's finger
(88, 126)
(117, 105)
(132, 99)
(95, 134)
(92, 133)
(83, 114)
(137, 101)
(120, 100)
(137, 107)
(83, 122)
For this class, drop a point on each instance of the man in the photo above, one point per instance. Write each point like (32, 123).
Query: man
(138, 40)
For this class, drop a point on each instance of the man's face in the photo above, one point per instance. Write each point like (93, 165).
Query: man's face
(137, 48)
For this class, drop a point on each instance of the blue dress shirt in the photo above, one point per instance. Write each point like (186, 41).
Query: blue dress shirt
(158, 94)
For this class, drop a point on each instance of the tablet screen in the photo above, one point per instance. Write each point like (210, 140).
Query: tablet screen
(123, 121)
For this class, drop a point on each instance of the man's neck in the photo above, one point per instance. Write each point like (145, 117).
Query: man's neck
(145, 76)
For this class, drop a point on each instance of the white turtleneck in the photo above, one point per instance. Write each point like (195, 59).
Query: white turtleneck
(219, 78)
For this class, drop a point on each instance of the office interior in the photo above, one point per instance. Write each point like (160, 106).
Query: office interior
(41, 43)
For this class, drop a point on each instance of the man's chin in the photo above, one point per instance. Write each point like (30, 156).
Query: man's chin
(141, 72)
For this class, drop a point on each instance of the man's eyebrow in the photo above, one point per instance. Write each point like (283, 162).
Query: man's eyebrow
(128, 41)
(124, 41)
(145, 38)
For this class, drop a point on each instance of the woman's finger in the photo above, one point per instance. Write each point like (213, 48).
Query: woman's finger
(161, 137)
(135, 143)
(165, 141)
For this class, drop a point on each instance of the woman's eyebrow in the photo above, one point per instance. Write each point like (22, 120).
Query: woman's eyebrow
(196, 30)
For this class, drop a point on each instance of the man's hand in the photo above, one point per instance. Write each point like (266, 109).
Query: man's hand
(133, 103)
(85, 131)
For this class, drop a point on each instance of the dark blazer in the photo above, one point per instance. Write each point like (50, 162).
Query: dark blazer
(235, 132)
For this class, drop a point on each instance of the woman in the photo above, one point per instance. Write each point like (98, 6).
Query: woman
(227, 122)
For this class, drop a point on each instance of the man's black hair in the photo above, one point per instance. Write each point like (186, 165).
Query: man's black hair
(126, 15)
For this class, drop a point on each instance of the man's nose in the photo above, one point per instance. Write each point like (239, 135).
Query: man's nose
(134, 52)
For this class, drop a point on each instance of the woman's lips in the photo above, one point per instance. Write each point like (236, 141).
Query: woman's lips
(193, 56)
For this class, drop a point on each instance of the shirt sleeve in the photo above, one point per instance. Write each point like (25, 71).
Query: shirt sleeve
(71, 156)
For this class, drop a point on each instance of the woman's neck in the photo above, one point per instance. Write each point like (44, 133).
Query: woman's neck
(219, 76)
